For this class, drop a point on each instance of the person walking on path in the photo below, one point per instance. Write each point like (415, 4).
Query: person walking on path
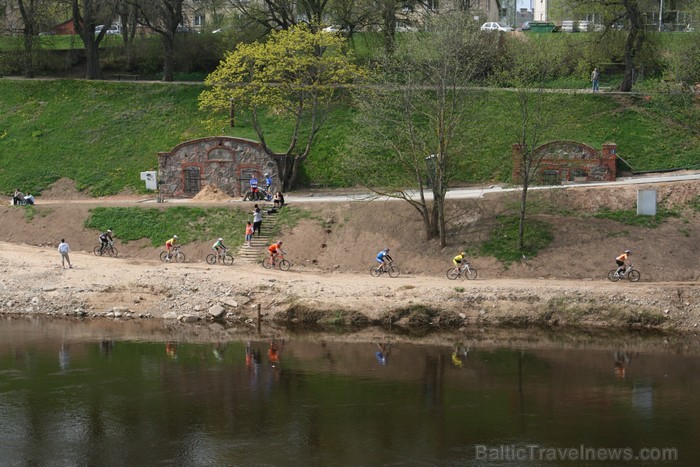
(257, 220)
(595, 79)
(64, 249)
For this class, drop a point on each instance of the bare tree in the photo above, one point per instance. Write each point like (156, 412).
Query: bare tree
(164, 17)
(34, 14)
(615, 13)
(87, 15)
(282, 14)
(414, 120)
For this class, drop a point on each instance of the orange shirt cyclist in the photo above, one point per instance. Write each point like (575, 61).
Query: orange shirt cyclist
(275, 249)
(620, 260)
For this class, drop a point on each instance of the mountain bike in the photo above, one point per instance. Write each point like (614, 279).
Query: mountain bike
(279, 262)
(466, 271)
(174, 254)
(224, 256)
(107, 250)
(632, 274)
(390, 269)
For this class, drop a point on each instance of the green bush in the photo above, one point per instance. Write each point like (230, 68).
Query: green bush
(503, 240)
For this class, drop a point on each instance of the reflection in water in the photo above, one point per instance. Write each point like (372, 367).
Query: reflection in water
(109, 401)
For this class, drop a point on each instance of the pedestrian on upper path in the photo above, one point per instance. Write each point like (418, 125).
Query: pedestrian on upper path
(595, 79)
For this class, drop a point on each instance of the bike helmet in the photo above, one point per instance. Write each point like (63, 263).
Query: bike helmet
(175, 236)
(221, 239)
(280, 242)
(464, 253)
(267, 175)
(628, 252)
(109, 230)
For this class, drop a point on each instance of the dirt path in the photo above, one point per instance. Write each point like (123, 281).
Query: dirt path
(33, 282)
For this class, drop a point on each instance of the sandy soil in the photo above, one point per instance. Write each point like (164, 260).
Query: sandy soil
(332, 252)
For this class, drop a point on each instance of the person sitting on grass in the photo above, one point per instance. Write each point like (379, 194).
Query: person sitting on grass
(278, 200)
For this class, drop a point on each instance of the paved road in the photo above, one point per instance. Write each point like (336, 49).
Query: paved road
(479, 192)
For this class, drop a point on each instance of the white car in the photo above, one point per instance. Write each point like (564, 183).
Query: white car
(493, 26)
(113, 29)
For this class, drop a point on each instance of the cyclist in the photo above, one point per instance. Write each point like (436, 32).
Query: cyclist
(169, 245)
(383, 257)
(275, 249)
(219, 247)
(105, 238)
(457, 260)
(620, 260)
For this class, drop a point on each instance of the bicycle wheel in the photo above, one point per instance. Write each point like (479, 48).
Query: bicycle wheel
(612, 276)
(112, 252)
(179, 257)
(471, 274)
(211, 258)
(452, 274)
(284, 265)
(163, 255)
(634, 275)
(98, 251)
(375, 271)
(267, 263)
(228, 259)
(394, 271)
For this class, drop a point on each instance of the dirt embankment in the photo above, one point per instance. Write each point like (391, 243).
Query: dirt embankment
(563, 285)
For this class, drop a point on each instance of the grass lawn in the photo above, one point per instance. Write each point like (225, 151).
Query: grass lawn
(102, 134)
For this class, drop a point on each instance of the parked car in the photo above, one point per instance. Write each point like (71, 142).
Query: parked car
(113, 29)
(494, 26)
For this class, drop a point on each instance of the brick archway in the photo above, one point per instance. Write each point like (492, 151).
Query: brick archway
(569, 161)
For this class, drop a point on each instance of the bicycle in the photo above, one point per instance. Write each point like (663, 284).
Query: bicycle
(108, 249)
(464, 270)
(390, 269)
(224, 256)
(632, 274)
(176, 253)
(282, 263)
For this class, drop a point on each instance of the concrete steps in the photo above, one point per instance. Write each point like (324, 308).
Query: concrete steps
(258, 246)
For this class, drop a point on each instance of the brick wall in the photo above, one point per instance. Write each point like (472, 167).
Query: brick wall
(567, 161)
(224, 162)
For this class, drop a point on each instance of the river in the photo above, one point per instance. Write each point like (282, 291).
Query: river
(76, 393)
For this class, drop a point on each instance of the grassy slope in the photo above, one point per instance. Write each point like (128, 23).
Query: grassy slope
(104, 134)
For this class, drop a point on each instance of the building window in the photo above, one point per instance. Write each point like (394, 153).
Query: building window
(199, 20)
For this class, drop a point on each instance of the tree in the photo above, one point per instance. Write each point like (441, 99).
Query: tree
(415, 118)
(527, 70)
(34, 14)
(282, 14)
(297, 75)
(88, 14)
(164, 17)
(615, 13)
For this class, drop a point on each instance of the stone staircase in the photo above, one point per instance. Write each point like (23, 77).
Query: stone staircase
(258, 247)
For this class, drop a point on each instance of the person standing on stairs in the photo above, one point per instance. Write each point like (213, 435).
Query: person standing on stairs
(257, 219)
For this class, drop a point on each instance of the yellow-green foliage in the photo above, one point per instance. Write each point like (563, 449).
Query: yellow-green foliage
(292, 69)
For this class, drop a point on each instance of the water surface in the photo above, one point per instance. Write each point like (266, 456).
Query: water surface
(69, 397)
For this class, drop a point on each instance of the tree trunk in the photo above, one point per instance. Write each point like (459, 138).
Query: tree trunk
(28, 65)
(92, 56)
(633, 44)
(521, 227)
(169, 57)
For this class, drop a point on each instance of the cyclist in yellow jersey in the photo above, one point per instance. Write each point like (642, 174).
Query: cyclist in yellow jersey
(170, 244)
(457, 260)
